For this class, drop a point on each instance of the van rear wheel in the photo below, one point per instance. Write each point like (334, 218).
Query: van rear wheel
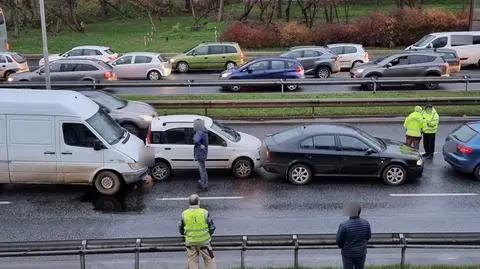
(107, 183)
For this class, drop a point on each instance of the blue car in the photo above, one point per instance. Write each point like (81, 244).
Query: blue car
(462, 148)
(266, 68)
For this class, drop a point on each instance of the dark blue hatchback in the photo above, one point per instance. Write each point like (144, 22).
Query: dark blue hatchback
(266, 68)
(462, 148)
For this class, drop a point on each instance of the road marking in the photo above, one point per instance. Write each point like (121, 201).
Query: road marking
(202, 198)
(5, 202)
(431, 194)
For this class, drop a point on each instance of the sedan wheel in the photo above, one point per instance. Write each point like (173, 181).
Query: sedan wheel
(395, 175)
(242, 168)
(323, 73)
(161, 171)
(235, 88)
(299, 174)
(154, 75)
(292, 87)
(182, 67)
(431, 85)
(230, 65)
(477, 173)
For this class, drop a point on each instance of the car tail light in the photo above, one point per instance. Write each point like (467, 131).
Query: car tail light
(464, 149)
(149, 135)
(108, 75)
(7, 46)
(112, 57)
(445, 67)
(366, 56)
(267, 153)
(242, 57)
(299, 69)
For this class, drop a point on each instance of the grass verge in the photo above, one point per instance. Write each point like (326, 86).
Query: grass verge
(307, 112)
(440, 266)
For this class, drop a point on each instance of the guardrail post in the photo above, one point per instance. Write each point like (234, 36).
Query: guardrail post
(137, 253)
(281, 83)
(467, 81)
(82, 254)
(404, 248)
(94, 86)
(295, 251)
(374, 85)
(244, 248)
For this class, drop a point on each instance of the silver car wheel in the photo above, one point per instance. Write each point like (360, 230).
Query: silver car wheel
(395, 175)
(107, 182)
(323, 73)
(243, 168)
(160, 172)
(154, 75)
(182, 67)
(235, 88)
(230, 65)
(292, 87)
(300, 175)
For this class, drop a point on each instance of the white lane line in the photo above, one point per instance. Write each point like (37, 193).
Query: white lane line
(5, 202)
(202, 198)
(431, 194)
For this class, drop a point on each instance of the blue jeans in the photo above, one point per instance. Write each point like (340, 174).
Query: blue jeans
(203, 174)
(354, 263)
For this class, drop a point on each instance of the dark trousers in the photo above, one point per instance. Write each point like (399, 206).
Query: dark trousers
(354, 262)
(429, 144)
(413, 142)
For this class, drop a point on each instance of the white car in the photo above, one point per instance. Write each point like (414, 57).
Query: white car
(350, 54)
(105, 54)
(172, 140)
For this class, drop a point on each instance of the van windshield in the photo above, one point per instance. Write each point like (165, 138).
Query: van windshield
(424, 41)
(106, 127)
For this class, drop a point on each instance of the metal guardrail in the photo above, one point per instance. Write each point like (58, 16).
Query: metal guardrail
(241, 243)
(312, 103)
(242, 82)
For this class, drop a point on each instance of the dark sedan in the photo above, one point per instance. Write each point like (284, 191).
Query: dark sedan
(338, 151)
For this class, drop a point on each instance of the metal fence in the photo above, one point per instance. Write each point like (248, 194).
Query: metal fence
(241, 243)
(282, 83)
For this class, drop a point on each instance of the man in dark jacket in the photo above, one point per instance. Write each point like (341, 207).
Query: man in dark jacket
(352, 237)
(200, 150)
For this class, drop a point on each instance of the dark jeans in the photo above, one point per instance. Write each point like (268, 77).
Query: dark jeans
(429, 144)
(203, 174)
(354, 263)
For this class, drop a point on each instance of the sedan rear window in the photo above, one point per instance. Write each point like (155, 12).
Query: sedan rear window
(104, 65)
(19, 58)
(464, 133)
(285, 135)
(109, 51)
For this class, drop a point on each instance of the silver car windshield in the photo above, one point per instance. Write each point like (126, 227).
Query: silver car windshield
(227, 132)
(424, 41)
(106, 127)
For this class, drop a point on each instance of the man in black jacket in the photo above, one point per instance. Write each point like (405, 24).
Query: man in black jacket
(352, 237)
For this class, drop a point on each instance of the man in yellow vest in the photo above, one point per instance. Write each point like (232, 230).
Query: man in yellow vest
(414, 123)
(197, 227)
(430, 128)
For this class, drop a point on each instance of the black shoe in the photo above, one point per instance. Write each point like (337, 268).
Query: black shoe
(424, 155)
(429, 156)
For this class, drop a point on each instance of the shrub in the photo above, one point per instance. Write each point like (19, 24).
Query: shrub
(401, 27)
(294, 34)
(251, 35)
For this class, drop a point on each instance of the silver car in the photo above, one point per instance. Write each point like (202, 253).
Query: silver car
(69, 70)
(132, 115)
(142, 65)
(12, 62)
(350, 54)
(102, 53)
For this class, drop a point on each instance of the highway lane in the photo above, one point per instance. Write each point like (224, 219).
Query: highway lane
(198, 76)
(264, 204)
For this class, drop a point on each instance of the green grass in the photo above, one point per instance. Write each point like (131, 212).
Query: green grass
(304, 112)
(383, 267)
(125, 35)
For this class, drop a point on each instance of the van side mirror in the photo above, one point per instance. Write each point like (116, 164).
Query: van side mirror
(224, 143)
(430, 46)
(389, 65)
(98, 146)
(370, 151)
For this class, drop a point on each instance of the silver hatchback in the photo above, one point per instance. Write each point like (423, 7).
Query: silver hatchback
(12, 62)
(142, 65)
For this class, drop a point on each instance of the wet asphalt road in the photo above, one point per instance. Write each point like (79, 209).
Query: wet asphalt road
(264, 204)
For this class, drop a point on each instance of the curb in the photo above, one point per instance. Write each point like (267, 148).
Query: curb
(376, 120)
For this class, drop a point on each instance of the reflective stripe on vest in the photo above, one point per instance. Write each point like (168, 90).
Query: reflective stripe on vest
(196, 226)
(430, 117)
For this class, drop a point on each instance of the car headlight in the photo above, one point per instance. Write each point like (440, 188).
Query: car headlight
(10, 79)
(224, 75)
(146, 117)
(419, 162)
(172, 60)
(358, 70)
(136, 166)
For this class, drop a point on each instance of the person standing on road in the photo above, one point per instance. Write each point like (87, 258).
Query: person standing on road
(200, 151)
(197, 227)
(430, 128)
(352, 238)
(414, 123)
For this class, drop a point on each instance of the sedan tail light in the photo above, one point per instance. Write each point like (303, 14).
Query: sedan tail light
(366, 56)
(112, 57)
(445, 67)
(464, 149)
(149, 135)
(108, 75)
(299, 69)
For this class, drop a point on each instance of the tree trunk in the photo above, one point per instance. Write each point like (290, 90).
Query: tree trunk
(246, 13)
(287, 10)
(188, 5)
(279, 9)
(192, 10)
(347, 9)
(220, 10)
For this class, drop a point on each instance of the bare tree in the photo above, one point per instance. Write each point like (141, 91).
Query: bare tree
(287, 10)
(249, 5)
(220, 10)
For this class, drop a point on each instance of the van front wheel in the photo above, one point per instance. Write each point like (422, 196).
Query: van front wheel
(107, 183)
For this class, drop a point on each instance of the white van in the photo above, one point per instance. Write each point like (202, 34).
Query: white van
(466, 44)
(63, 137)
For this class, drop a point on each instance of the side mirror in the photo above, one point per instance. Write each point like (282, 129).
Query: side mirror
(389, 65)
(370, 151)
(224, 143)
(430, 46)
(249, 70)
(98, 146)
(194, 53)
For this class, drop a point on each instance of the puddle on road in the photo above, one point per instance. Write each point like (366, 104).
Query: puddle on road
(130, 200)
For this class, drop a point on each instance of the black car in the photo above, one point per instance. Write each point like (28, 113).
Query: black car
(338, 151)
